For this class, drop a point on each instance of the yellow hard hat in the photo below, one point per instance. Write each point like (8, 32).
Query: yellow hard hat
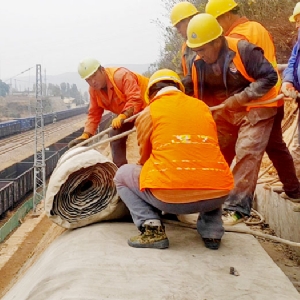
(217, 8)
(202, 29)
(181, 11)
(88, 67)
(162, 75)
(295, 13)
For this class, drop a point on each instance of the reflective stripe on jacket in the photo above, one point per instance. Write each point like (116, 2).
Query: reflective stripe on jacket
(185, 151)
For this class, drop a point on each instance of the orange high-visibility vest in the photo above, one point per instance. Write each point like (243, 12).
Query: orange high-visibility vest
(142, 82)
(233, 45)
(272, 93)
(183, 59)
(256, 34)
(185, 150)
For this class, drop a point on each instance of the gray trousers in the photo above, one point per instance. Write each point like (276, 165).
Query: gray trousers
(144, 206)
(248, 143)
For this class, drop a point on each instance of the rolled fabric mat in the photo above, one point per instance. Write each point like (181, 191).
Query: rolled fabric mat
(81, 190)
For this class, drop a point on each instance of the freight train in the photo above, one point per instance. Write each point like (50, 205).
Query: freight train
(19, 125)
(17, 181)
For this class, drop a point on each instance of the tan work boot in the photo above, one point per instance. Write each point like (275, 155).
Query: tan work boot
(150, 237)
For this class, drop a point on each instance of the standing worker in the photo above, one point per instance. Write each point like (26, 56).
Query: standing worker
(181, 168)
(227, 14)
(181, 14)
(291, 82)
(117, 90)
(236, 73)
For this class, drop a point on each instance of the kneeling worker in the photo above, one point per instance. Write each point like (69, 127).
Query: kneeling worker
(181, 168)
(117, 90)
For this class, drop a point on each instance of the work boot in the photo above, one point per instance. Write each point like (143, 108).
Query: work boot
(212, 244)
(232, 217)
(150, 237)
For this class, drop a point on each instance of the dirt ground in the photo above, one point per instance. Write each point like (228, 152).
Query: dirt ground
(46, 231)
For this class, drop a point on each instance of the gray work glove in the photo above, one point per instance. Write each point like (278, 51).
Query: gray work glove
(233, 104)
(287, 88)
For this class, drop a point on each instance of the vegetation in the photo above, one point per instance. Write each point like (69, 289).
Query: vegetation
(273, 14)
(4, 88)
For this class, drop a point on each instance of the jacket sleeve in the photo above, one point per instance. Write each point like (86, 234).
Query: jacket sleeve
(144, 128)
(288, 72)
(257, 67)
(127, 83)
(94, 115)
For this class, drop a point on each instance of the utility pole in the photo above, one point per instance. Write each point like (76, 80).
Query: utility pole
(45, 83)
(39, 153)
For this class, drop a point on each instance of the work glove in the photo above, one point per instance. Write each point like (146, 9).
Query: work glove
(288, 90)
(118, 121)
(233, 104)
(80, 139)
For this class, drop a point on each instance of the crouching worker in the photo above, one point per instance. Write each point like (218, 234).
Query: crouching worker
(117, 90)
(181, 169)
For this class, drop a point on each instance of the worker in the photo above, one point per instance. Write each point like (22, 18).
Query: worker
(180, 16)
(114, 89)
(234, 73)
(227, 14)
(181, 169)
(290, 83)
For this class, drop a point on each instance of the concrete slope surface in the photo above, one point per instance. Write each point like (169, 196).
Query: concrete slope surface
(95, 262)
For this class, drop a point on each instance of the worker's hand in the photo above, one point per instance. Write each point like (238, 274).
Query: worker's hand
(80, 139)
(232, 104)
(288, 90)
(118, 121)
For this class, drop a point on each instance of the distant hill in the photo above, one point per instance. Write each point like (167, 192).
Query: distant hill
(74, 78)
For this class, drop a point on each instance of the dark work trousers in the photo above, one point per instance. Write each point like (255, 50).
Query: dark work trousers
(118, 147)
(280, 156)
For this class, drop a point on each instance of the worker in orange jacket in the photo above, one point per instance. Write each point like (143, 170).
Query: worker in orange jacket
(181, 168)
(227, 14)
(117, 90)
(180, 16)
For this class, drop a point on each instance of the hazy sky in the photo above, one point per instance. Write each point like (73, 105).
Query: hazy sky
(57, 34)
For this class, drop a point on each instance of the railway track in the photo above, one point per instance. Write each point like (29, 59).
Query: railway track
(13, 142)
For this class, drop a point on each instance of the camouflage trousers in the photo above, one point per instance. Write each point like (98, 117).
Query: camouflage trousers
(144, 206)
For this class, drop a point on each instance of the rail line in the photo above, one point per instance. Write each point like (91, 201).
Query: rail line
(27, 137)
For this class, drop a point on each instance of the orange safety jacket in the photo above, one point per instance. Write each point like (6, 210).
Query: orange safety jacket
(256, 34)
(142, 82)
(115, 100)
(233, 45)
(185, 150)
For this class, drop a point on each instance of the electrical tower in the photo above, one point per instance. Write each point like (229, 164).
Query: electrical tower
(39, 153)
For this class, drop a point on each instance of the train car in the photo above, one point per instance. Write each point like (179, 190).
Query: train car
(6, 197)
(9, 128)
(17, 181)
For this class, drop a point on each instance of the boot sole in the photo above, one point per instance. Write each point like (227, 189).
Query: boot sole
(156, 245)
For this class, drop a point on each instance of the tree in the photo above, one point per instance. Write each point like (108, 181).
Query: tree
(4, 88)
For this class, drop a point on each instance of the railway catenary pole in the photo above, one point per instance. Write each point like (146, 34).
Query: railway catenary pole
(39, 189)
